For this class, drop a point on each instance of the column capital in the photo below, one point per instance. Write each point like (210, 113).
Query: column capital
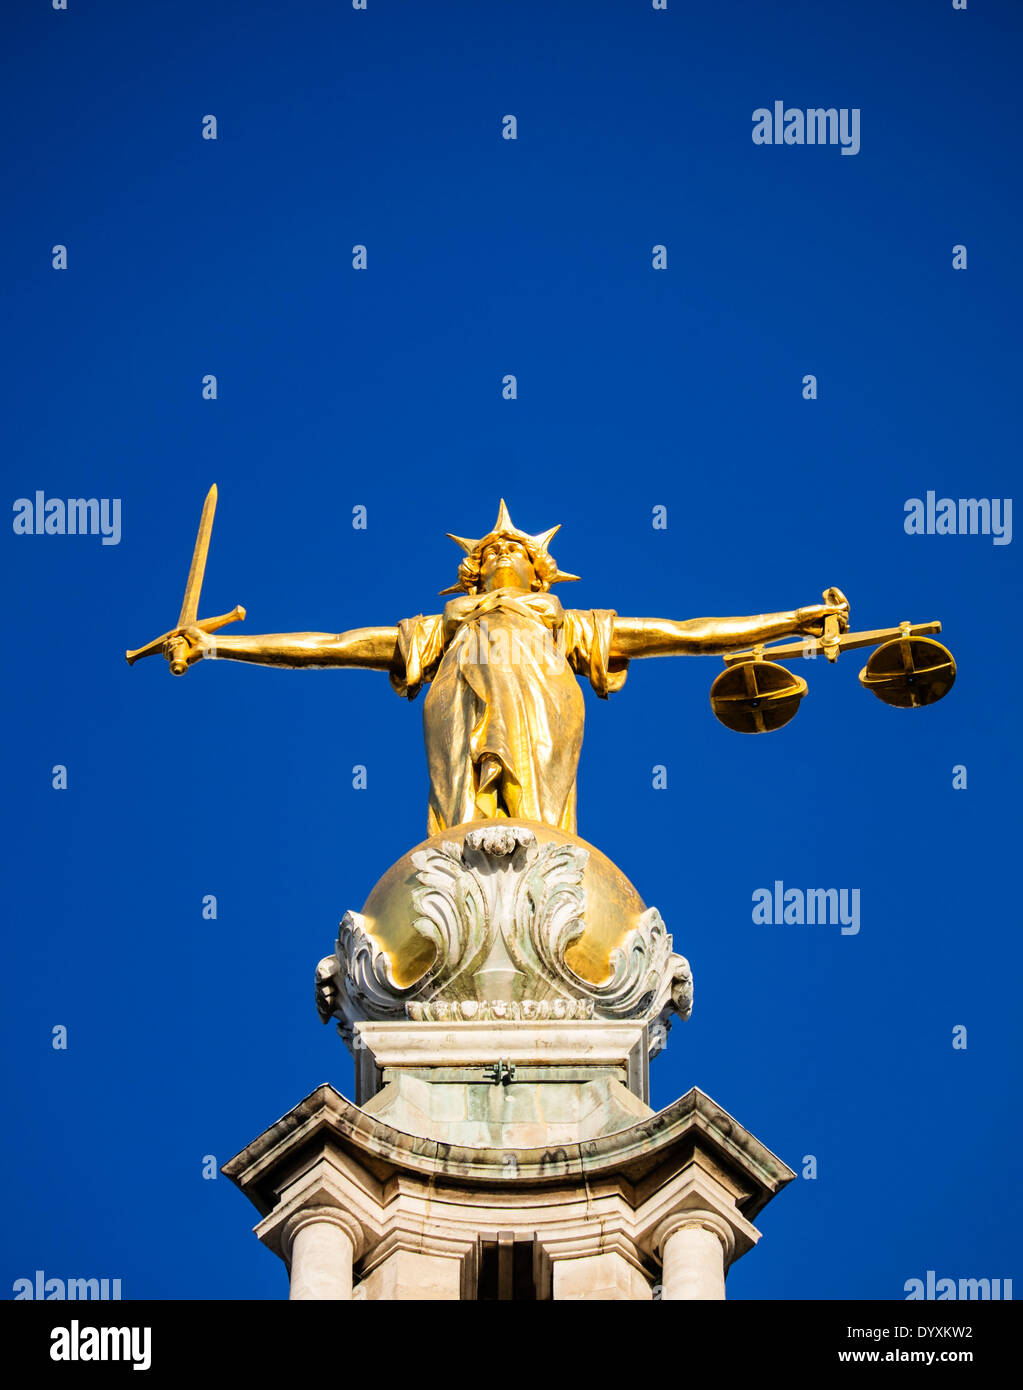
(699, 1219)
(570, 1243)
(323, 1215)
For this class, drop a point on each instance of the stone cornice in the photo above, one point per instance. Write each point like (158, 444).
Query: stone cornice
(326, 1117)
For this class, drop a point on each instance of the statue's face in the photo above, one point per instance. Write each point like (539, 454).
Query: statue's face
(505, 564)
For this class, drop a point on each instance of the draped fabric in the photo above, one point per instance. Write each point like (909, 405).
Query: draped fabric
(503, 718)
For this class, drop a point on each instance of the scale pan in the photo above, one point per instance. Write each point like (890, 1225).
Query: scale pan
(756, 697)
(909, 672)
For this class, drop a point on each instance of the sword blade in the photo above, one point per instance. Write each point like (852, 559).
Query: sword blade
(193, 587)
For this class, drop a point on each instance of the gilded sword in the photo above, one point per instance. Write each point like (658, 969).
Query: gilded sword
(173, 644)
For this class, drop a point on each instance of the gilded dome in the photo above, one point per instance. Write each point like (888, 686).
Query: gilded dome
(612, 906)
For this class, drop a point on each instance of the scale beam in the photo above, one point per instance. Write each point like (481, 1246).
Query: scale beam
(813, 646)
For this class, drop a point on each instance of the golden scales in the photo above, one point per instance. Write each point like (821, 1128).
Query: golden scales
(755, 695)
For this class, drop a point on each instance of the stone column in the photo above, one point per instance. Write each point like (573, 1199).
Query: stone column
(696, 1249)
(321, 1242)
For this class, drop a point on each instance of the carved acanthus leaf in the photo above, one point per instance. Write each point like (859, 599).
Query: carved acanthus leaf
(502, 911)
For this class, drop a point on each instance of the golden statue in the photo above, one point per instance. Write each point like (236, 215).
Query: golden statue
(503, 718)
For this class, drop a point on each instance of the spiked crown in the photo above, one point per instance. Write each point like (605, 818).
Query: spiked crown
(536, 547)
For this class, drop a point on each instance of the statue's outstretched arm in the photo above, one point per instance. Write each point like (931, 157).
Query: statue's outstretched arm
(638, 637)
(374, 648)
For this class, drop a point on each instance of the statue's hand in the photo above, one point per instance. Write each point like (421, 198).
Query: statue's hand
(185, 646)
(810, 619)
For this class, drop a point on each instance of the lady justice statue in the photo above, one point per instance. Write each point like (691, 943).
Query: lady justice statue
(503, 718)
(503, 912)
(504, 985)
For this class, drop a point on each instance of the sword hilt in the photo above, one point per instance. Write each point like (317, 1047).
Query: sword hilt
(168, 642)
(177, 655)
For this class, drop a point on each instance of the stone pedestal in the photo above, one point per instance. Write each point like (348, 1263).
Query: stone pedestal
(504, 1085)
(665, 1204)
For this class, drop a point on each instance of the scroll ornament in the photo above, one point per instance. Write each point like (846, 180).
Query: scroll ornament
(502, 910)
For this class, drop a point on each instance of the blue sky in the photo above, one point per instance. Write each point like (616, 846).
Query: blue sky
(382, 388)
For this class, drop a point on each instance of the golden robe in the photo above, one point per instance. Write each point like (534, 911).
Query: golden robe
(503, 719)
